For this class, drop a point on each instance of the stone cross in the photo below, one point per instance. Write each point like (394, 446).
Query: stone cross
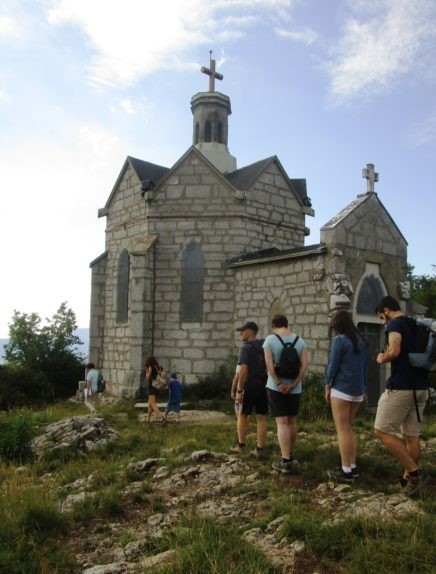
(371, 177)
(212, 73)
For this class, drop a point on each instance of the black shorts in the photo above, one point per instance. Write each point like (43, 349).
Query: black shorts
(152, 390)
(281, 405)
(255, 397)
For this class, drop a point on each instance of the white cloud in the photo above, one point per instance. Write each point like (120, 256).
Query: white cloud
(9, 27)
(304, 35)
(383, 41)
(133, 38)
(128, 107)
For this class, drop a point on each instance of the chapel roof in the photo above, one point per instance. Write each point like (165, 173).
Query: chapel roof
(245, 177)
(275, 254)
(146, 170)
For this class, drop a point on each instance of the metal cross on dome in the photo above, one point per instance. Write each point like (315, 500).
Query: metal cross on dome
(371, 177)
(211, 73)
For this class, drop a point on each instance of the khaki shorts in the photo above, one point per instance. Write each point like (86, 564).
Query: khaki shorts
(396, 412)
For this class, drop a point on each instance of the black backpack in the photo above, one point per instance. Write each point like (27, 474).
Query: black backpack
(262, 371)
(289, 364)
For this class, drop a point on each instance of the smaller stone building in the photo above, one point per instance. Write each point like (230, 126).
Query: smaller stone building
(193, 250)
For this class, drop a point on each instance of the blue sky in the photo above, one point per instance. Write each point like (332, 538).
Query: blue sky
(326, 85)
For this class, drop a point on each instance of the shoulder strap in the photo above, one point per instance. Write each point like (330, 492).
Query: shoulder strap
(291, 345)
(280, 339)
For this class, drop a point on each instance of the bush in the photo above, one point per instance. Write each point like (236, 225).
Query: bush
(215, 386)
(20, 386)
(16, 432)
(313, 406)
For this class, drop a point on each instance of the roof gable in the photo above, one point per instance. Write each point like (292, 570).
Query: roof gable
(143, 170)
(189, 151)
(247, 176)
(353, 206)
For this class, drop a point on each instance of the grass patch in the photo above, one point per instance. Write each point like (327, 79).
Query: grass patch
(204, 547)
(34, 535)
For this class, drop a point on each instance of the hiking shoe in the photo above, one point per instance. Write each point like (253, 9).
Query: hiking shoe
(239, 449)
(339, 475)
(414, 485)
(285, 467)
(259, 453)
(355, 472)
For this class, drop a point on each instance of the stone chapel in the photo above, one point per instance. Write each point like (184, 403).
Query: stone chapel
(194, 250)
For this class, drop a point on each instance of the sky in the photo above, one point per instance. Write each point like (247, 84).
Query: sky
(326, 85)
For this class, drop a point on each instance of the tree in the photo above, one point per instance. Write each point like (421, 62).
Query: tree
(50, 349)
(423, 290)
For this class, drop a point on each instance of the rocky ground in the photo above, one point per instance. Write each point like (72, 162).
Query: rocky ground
(209, 481)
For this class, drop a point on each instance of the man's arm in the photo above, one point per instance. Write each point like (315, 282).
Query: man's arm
(243, 374)
(393, 350)
(234, 385)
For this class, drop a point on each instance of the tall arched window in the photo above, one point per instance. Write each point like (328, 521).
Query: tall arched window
(191, 286)
(196, 133)
(123, 287)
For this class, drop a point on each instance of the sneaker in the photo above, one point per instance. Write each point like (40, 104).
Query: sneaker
(163, 422)
(258, 453)
(239, 449)
(285, 467)
(355, 472)
(414, 485)
(339, 475)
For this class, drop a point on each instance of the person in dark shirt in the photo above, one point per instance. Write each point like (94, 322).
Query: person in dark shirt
(405, 394)
(250, 391)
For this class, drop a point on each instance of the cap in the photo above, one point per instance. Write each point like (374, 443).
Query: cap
(174, 374)
(249, 325)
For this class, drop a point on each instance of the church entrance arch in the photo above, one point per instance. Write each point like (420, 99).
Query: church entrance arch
(369, 292)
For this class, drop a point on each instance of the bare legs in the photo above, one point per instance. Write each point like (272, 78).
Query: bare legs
(406, 451)
(261, 430)
(153, 408)
(243, 422)
(286, 435)
(343, 415)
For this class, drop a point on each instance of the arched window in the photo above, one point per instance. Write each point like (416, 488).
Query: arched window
(219, 132)
(207, 131)
(191, 286)
(123, 287)
(196, 133)
(370, 294)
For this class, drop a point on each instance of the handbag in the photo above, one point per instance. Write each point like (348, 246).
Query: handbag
(160, 382)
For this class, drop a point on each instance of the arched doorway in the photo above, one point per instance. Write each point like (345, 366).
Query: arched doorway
(369, 292)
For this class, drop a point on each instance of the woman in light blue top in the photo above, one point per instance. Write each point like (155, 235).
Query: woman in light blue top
(345, 387)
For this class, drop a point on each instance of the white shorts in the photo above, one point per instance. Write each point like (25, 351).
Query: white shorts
(335, 394)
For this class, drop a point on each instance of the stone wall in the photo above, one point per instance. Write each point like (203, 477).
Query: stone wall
(299, 284)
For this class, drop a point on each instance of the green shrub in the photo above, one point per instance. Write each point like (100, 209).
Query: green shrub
(313, 406)
(215, 386)
(16, 432)
(21, 386)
